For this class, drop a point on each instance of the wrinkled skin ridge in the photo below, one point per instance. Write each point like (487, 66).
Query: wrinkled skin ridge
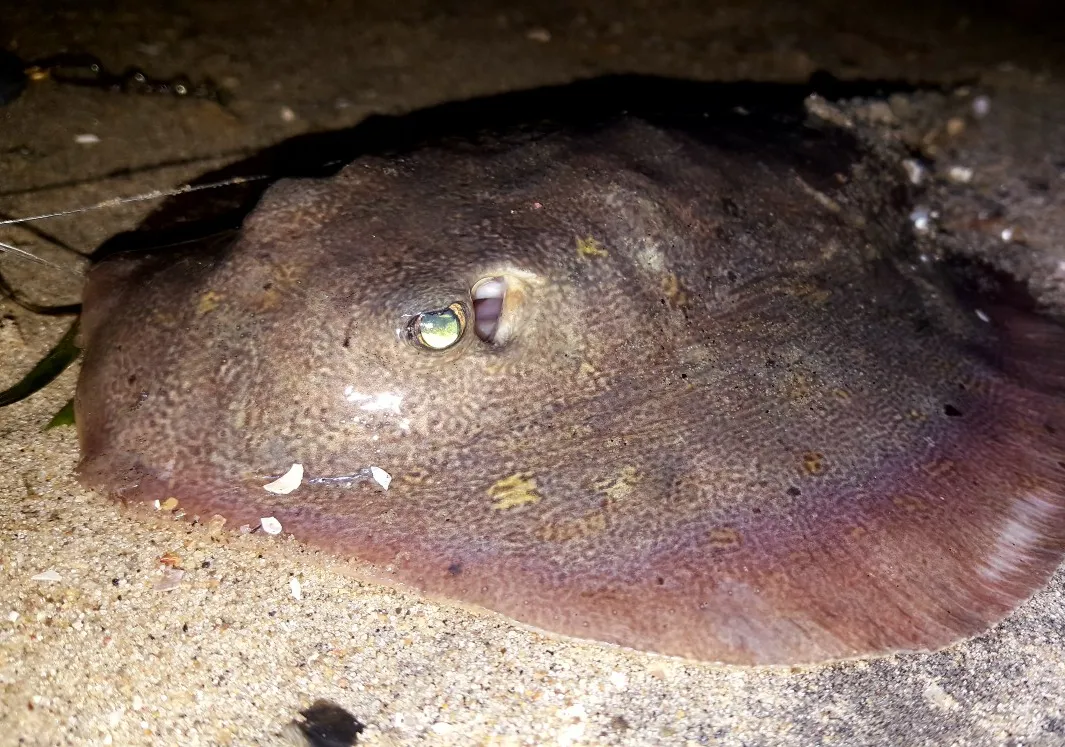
(738, 418)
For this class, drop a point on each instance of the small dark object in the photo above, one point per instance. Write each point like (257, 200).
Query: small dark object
(620, 724)
(12, 77)
(328, 725)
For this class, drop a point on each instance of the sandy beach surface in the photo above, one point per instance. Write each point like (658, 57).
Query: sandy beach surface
(111, 646)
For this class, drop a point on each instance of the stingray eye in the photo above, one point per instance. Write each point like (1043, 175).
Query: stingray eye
(438, 330)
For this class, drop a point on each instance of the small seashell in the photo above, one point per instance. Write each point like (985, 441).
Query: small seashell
(287, 482)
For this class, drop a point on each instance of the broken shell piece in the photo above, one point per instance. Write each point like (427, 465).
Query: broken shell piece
(215, 525)
(294, 586)
(960, 174)
(169, 580)
(270, 525)
(915, 172)
(287, 482)
(381, 477)
(921, 219)
(47, 576)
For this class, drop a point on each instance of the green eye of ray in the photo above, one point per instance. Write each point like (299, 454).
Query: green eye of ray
(438, 330)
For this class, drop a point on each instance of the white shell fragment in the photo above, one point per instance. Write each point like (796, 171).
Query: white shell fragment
(270, 525)
(169, 580)
(287, 482)
(921, 218)
(86, 139)
(915, 172)
(960, 174)
(48, 576)
(381, 477)
(297, 590)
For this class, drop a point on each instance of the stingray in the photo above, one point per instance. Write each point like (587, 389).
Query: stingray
(685, 384)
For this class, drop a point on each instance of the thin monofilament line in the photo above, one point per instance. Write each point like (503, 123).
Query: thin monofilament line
(155, 195)
(33, 257)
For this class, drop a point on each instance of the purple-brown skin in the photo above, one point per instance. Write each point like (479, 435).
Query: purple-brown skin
(736, 419)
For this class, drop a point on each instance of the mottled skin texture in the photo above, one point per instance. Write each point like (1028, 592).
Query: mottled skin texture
(737, 419)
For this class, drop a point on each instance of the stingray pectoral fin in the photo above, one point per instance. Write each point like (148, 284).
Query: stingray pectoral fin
(935, 546)
(1034, 350)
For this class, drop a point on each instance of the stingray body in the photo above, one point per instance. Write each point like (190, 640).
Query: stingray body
(688, 389)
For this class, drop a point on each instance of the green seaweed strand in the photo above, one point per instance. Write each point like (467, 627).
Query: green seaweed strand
(47, 369)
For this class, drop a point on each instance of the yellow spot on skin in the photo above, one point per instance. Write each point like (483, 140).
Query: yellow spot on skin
(813, 462)
(810, 292)
(288, 274)
(165, 319)
(588, 525)
(674, 291)
(917, 416)
(415, 477)
(842, 394)
(516, 490)
(208, 302)
(800, 387)
(589, 247)
(617, 488)
(724, 537)
(589, 378)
